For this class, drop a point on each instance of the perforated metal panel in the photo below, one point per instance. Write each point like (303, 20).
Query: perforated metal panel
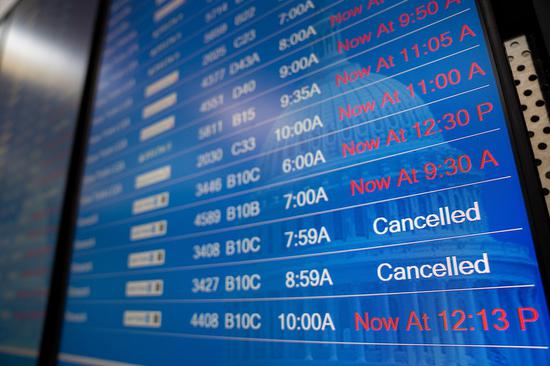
(533, 106)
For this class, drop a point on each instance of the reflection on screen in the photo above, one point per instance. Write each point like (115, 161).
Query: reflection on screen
(296, 182)
(43, 64)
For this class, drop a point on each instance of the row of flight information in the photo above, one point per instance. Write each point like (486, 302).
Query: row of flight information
(301, 181)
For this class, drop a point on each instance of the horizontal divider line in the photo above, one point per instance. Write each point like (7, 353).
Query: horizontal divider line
(301, 298)
(340, 343)
(285, 258)
(19, 351)
(90, 361)
(283, 219)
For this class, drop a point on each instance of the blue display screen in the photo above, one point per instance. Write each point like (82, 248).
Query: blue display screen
(301, 182)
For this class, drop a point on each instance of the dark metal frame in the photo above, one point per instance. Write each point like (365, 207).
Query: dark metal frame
(53, 324)
(527, 172)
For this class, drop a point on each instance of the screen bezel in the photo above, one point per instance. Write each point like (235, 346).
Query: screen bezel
(517, 131)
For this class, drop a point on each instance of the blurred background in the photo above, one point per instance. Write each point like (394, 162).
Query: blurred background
(44, 59)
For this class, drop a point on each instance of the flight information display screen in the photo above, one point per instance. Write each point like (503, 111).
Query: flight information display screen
(306, 181)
